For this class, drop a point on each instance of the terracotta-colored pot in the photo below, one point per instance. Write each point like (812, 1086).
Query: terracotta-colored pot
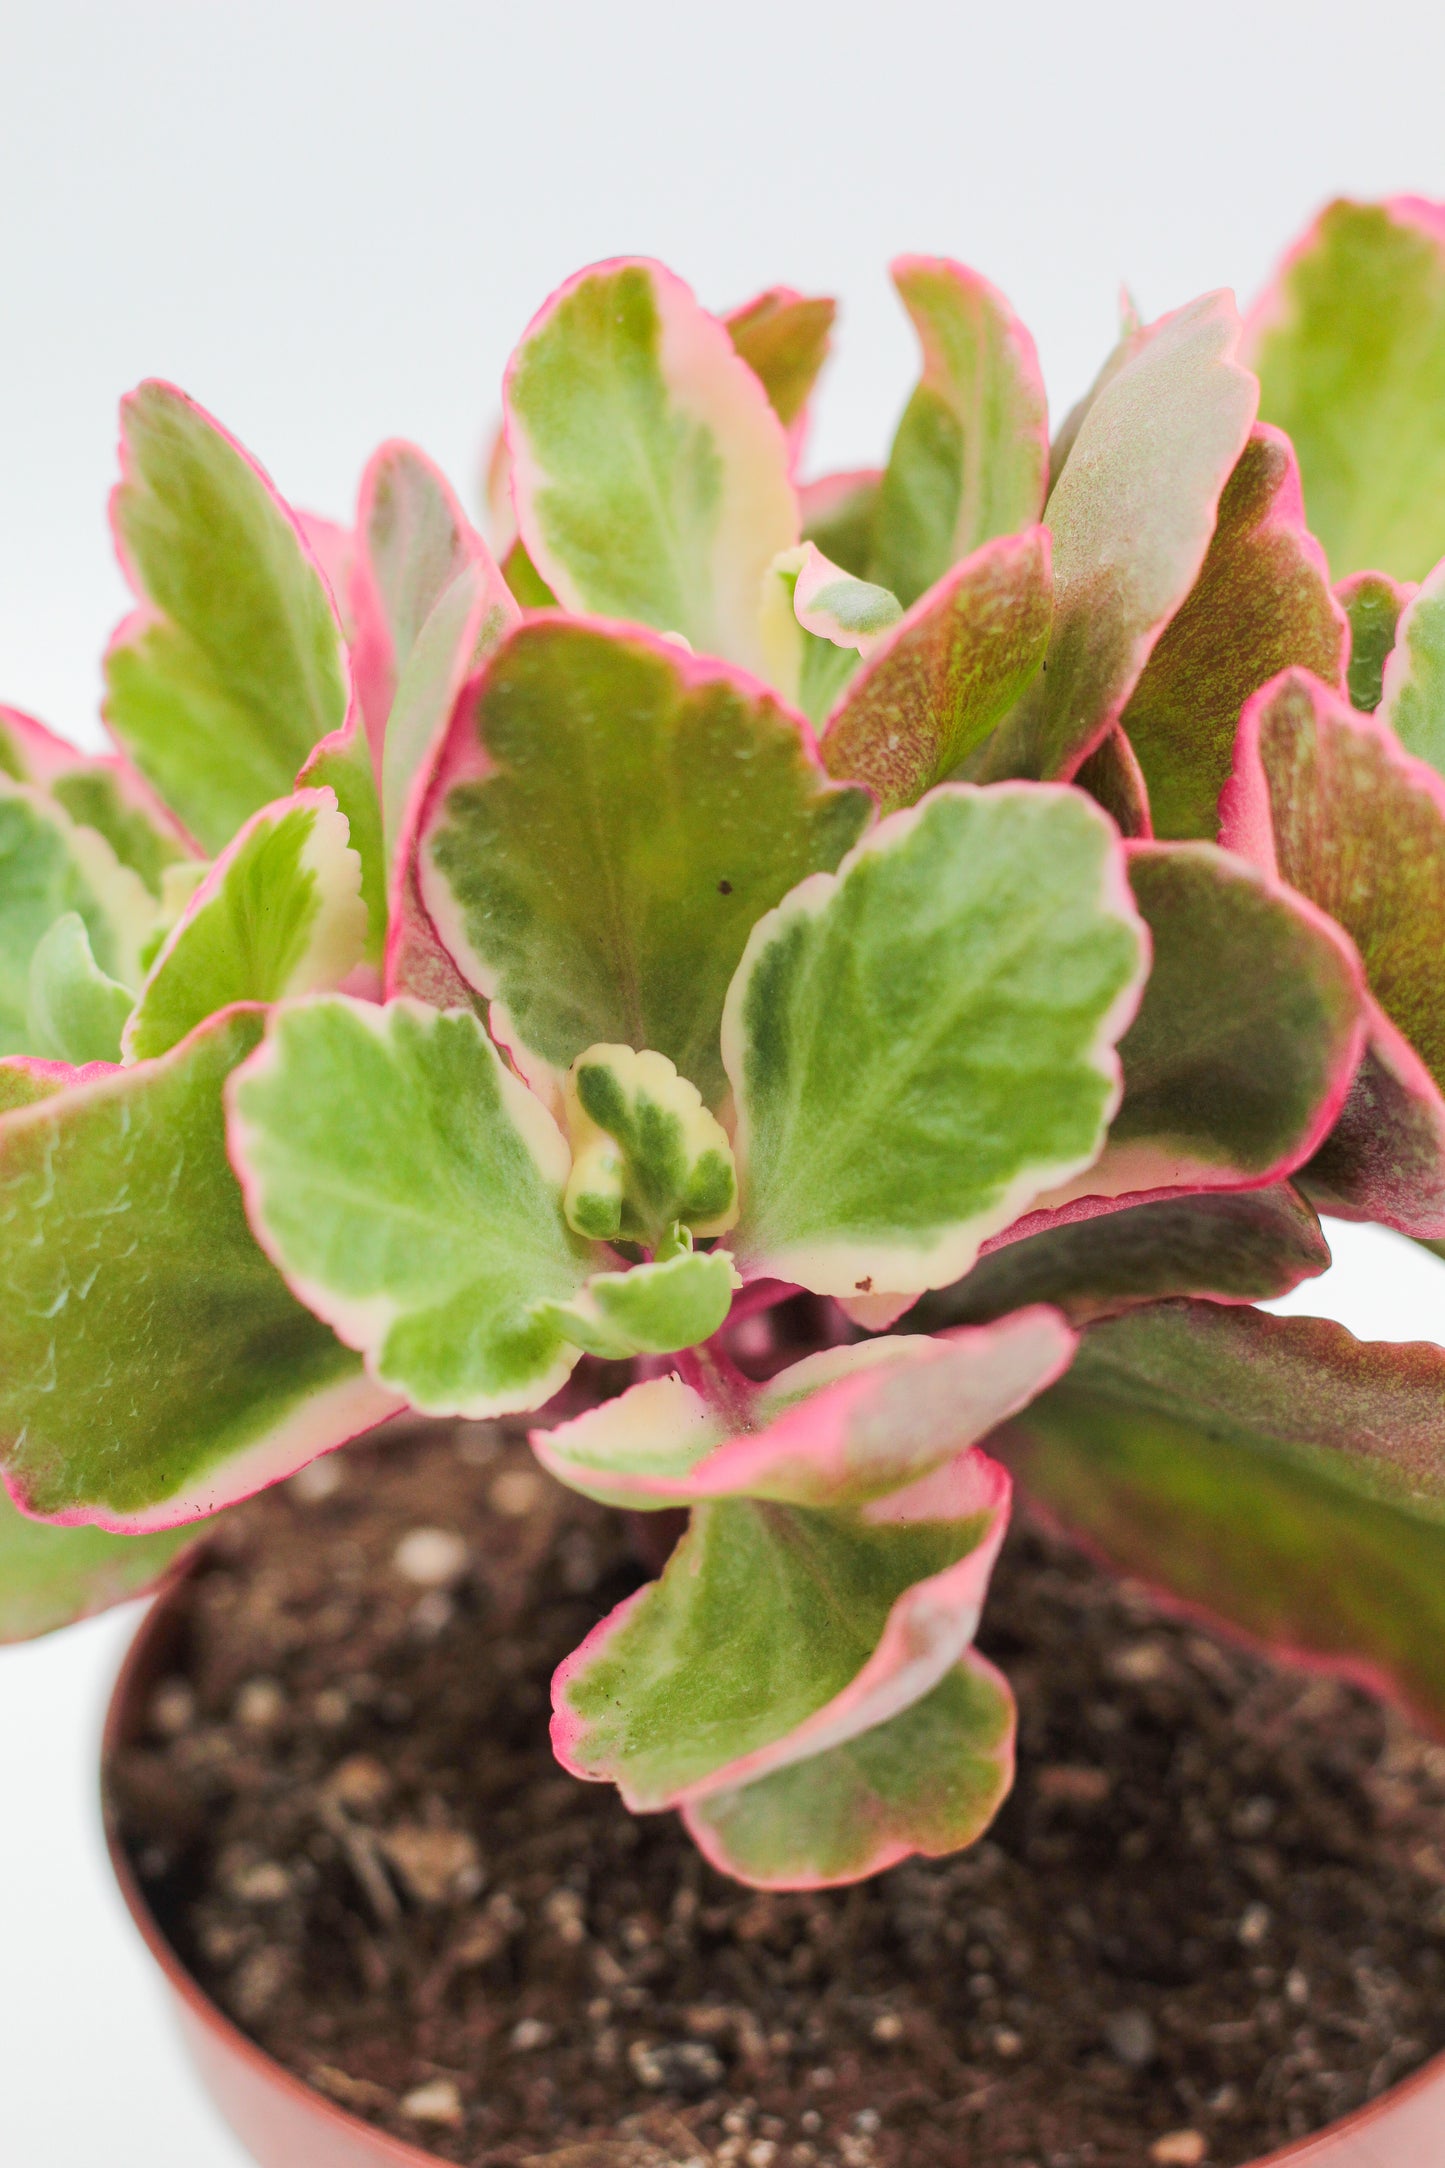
(284, 2124)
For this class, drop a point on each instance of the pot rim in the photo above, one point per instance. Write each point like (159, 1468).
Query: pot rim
(119, 1728)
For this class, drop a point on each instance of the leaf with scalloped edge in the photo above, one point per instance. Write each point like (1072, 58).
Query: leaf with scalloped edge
(50, 1577)
(1262, 601)
(607, 819)
(153, 1365)
(970, 459)
(279, 913)
(646, 1152)
(410, 1189)
(932, 689)
(1231, 1078)
(1349, 347)
(234, 665)
(1132, 517)
(102, 791)
(923, 1042)
(77, 1013)
(649, 472)
(927, 1781)
(1330, 801)
(1372, 602)
(784, 336)
(1275, 1472)
(49, 867)
(1245, 1245)
(778, 1632)
(655, 1309)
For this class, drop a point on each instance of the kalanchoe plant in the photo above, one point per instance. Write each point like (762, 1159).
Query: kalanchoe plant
(833, 992)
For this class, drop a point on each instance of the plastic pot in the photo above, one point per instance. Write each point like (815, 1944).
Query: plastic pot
(284, 2124)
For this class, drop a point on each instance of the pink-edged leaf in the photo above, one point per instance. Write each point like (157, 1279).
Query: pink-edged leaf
(1273, 1472)
(1372, 602)
(839, 513)
(234, 666)
(1412, 683)
(1262, 602)
(1385, 1157)
(606, 819)
(334, 548)
(1227, 1245)
(928, 1781)
(414, 542)
(103, 792)
(784, 336)
(838, 1429)
(342, 764)
(1132, 518)
(933, 688)
(794, 1631)
(153, 1365)
(1231, 1079)
(1349, 346)
(649, 472)
(1329, 800)
(970, 459)
(279, 913)
(1114, 779)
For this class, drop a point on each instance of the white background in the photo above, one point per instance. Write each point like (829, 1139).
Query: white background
(330, 222)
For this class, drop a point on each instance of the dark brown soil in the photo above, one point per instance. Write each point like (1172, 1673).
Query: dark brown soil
(1211, 1917)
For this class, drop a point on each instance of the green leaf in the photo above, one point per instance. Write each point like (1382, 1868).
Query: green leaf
(931, 692)
(655, 1309)
(1349, 346)
(1114, 779)
(50, 1577)
(1372, 602)
(1229, 1245)
(1132, 517)
(468, 622)
(410, 1188)
(1261, 602)
(609, 817)
(279, 913)
(929, 1781)
(819, 620)
(1412, 680)
(77, 1013)
(1274, 1470)
(528, 588)
(783, 337)
(234, 666)
(923, 1042)
(645, 1151)
(414, 540)
(778, 1632)
(105, 794)
(153, 1366)
(970, 459)
(1230, 1077)
(49, 868)
(342, 764)
(650, 474)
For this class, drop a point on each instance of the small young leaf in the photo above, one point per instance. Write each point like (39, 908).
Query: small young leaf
(923, 1042)
(607, 819)
(645, 1151)
(153, 1365)
(1372, 602)
(932, 689)
(1274, 1471)
(77, 1013)
(48, 868)
(970, 459)
(1261, 602)
(410, 1188)
(279, 913)
(1132, 517)
(653, 1310)
(1349, 346)
(650, 474)
(234, 666)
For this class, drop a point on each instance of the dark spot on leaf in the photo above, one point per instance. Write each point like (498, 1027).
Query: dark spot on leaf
(724, 888)
(863, 1287)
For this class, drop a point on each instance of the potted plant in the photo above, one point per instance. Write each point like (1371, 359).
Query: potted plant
(824, 1000)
